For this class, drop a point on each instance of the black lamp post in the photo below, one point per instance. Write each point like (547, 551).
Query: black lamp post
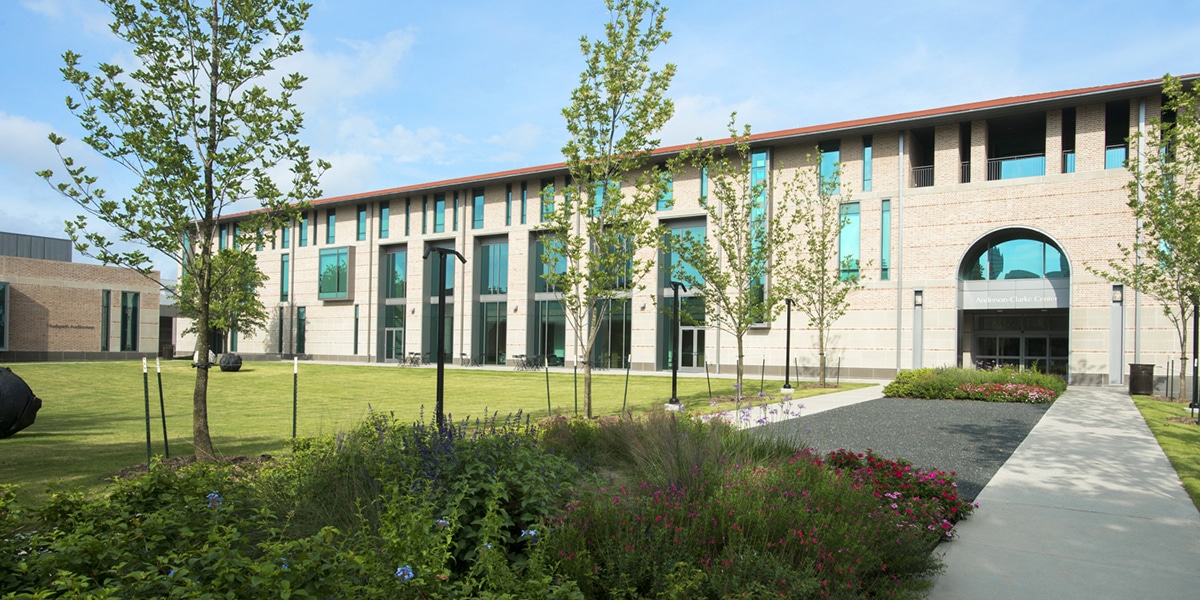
(787, 351)
(441, 326)
(675, 285)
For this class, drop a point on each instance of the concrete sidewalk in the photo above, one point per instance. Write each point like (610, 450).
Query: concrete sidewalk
(1087, 507)
(754, 413)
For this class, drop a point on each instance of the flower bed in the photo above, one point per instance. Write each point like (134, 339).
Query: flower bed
(999, 385)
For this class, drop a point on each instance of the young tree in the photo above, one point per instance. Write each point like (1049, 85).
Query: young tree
(234, 304)
(598, 233)
(1164, 194)
(196, 126)
(820, 276)
(728, 267)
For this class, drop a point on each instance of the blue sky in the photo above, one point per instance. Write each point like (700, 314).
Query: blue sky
(409, 92)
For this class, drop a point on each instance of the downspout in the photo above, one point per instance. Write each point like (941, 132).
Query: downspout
(1137, 293)
(899, 248)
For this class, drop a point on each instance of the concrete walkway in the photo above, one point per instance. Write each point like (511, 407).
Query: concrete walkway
(754, 414)
(1087, 507)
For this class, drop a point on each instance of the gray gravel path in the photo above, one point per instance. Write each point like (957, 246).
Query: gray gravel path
(973, 439)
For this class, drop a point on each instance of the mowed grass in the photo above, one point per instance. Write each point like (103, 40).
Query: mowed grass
(1179, 441)
(93, 421)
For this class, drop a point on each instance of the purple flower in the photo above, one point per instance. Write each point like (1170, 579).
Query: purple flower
(404, 573)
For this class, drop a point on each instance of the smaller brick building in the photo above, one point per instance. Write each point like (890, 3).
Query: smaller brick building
(55, 309)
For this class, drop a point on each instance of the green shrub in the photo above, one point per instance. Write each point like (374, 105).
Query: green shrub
(975, 384)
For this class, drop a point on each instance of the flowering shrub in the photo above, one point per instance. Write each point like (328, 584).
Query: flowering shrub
(929, 498)
(1005, 384)
(1005, 392)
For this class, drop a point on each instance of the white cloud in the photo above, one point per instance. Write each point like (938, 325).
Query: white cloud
(353, 69)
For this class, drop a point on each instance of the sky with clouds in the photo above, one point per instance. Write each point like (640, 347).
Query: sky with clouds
(403, 92)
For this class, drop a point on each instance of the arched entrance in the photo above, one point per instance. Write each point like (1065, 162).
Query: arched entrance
(1014, 298)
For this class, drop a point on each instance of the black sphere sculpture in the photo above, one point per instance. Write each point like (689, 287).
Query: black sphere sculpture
(231, 362)
(18, 405)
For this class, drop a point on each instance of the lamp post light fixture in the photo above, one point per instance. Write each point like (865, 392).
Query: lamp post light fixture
(675, 285)
(441, 327)
(787, 351)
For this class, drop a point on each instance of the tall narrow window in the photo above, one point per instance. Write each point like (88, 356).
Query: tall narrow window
(129, 321)
(385, 213)
(667, 200)
(524, 199)
(547, 198)
(285, 236)
(424, 214)
(508, 204)
(258, 241)
(703, 186)
(454, 224)
(222, 232)
(407, 217)
(758, 182)
(439, 213)
(284, 273)
(492, 265)
(885, 241)
(867, 152)
(304, 230)
(395, 276)
(848, 240)
(477, 209)
(331, 226)
(360, 229)
(355, 349)
(105, 319)
(314, 227)
(831, 155)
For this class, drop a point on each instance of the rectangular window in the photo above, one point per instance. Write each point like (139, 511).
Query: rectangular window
(454, 220)
(331, 226)
(424, 214)
(284, 287)
(848, 240)
(477, 208)
(541, 269)
(885, 241)
(285, 237)
(105, 318)
(492, 264)
(395, 282)
(439, 213)
(304, 230)
(547, 198)
(703, 186)
(758, 183)
(360, 230)
(258, 241)
(385, 213)
(333, 270)
(508, 204)
(129, 321)
(222, 232)
(235, 243)
(355, 349)
(867, 152)
(407, 217)
(393, 332)
(667, 200)
(524, 199)
(831, 155)
(3, 316)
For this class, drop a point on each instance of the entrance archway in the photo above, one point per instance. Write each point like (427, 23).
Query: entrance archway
(1014, 298)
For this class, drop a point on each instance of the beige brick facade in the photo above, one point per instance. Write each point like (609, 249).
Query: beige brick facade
(1083, 213)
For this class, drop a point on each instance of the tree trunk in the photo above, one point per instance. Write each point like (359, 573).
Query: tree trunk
(741, 369)
(201, 440)
(587, 388)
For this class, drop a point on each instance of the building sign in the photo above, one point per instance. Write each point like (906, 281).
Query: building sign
(1014, 294)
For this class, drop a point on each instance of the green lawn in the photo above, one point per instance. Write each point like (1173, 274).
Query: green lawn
(1179, 441)
(92, 421)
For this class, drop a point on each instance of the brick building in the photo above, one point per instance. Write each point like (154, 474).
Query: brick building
(975, 226)
(55, 309)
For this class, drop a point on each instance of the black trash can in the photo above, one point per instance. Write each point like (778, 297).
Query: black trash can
(1141, 380)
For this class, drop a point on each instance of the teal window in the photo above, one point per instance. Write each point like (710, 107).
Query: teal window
(233, 339)
(492, 264)
(493, 332)
(331, 226)
(758, 185)
(360, 229)
(848, 240)
(439, 213)
(454, 219)
(3, 316)
(284, 275)
(543, 270)
(547, 198)
(508, 204)
(1015, 256)
(524, 200)
(354, 350)
(258, 241)
(304, 230)
(334, 272)
(395, 278)
(431, 276)
(667, 200)
(867, 155)
(674, 268)
(407, 217)
(1068, 161)
(885, 241)
(222, 232)
(285, 237)
(385, 213)
(424, 214)
(831, 155)
(613, 341)
(1114, 157)
(549, 331)
(129, 321)
(703, 186)
(105, 318)
(301, 328)
(477, 208)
